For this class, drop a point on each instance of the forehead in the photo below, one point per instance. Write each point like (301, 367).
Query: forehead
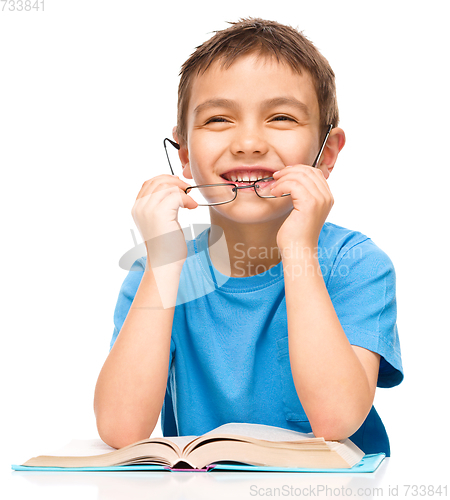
(252, 79)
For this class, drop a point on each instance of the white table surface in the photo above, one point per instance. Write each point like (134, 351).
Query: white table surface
(390, 480)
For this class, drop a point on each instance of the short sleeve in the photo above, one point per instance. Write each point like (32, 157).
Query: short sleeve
(362, 288)
(126, 296)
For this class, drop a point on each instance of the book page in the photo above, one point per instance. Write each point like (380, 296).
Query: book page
(260, 431)
(92, 447)
(181, 441)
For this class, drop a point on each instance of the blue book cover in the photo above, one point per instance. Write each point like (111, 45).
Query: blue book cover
(369, 463)
(232, 446)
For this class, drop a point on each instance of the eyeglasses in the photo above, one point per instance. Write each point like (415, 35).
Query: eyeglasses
(218, 194)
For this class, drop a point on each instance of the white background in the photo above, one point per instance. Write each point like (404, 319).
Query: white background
(88, 92)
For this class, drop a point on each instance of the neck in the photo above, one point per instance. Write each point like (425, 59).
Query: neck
(243, 249)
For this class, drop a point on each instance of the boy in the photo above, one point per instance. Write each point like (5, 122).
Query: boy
(296, 338)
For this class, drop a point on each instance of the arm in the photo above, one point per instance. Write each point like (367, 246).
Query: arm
(335, 381)
(131, 386)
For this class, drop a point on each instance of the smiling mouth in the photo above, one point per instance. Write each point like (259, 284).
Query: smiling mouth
(247, 180)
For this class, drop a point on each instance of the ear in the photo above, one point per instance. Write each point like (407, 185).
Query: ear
(335, 143)
(183, 154)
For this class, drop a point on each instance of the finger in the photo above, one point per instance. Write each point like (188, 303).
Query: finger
(183, 199)
(302, 194)
(164, 197)
(306, 177)
(314, 173)
(163, 178)
(187, 200)
(161, 182)
(294, 182)
(167, 201)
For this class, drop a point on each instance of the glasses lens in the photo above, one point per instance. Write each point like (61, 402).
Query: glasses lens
(264, 186)
(212, 195)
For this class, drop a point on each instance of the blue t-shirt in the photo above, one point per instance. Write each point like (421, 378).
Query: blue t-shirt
(229, 359)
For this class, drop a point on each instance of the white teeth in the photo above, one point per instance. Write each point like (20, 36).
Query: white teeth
(246, 178)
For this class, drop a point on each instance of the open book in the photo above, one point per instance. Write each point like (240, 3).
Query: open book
(253, 444)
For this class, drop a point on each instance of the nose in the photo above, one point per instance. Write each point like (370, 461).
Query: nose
(248, 141)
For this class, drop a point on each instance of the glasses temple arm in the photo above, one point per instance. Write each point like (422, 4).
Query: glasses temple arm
(322, 147)
(175, 145)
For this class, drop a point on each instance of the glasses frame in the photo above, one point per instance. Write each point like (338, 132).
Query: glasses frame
(251, 184)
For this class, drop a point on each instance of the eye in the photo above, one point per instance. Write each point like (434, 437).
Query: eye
(280, 118)
(216, 119)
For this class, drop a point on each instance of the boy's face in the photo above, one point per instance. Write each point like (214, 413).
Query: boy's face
(257, 114)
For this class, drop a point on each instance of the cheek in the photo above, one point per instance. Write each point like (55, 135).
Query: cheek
(296, 147)
(291, 154)
(292, 157)
(202, 165)
(204, 154)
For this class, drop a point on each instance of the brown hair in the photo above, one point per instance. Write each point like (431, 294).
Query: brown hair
(268, 38)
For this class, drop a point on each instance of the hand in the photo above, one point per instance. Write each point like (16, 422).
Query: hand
(312, 200)
(155, 213)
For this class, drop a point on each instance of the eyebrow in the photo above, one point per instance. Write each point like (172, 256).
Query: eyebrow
(290, 101)
(215, 103)
(269, 103)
